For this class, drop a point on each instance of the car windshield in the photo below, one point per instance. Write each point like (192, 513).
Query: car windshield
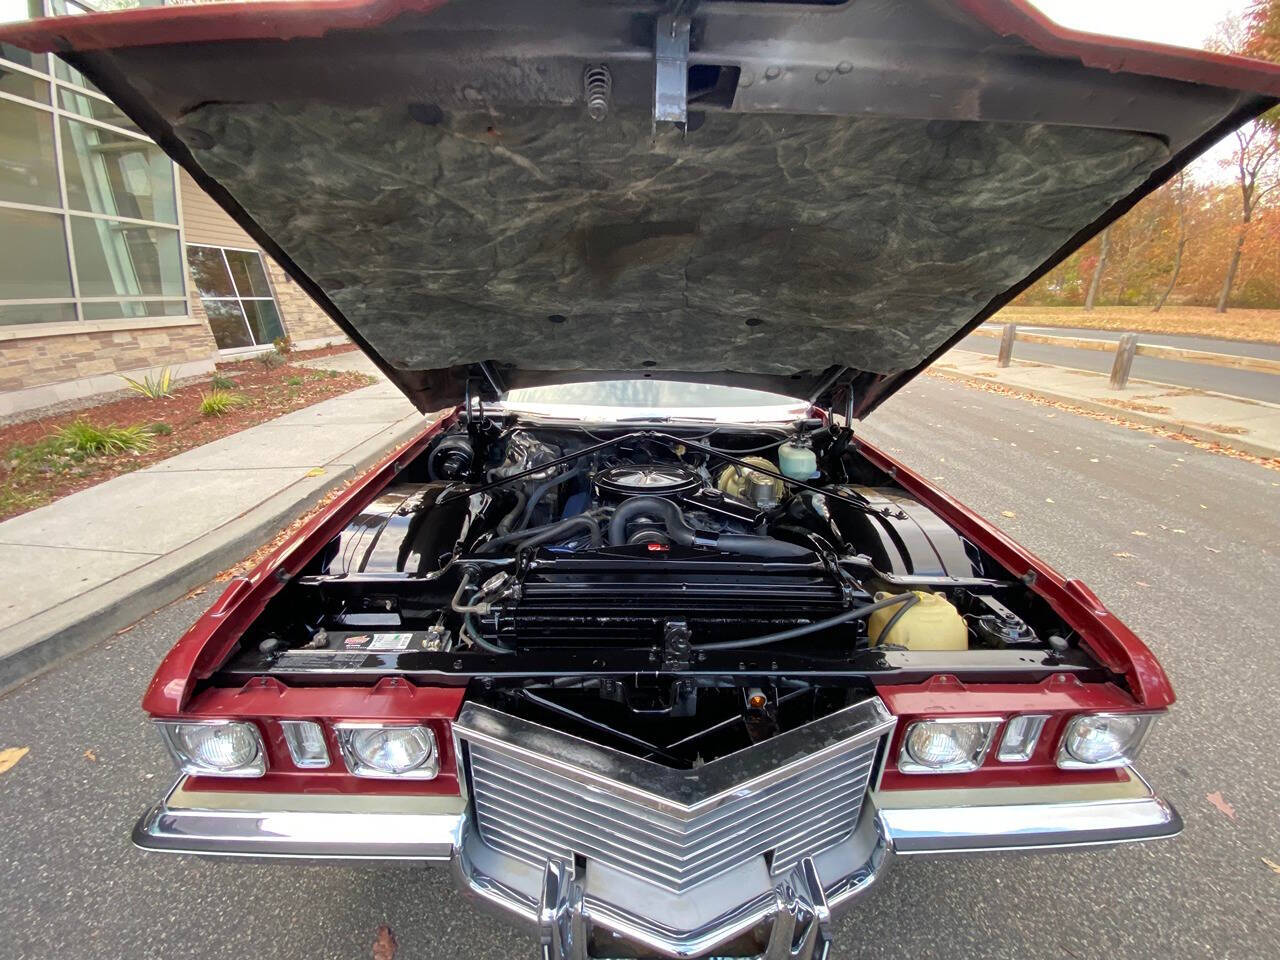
(642, 399)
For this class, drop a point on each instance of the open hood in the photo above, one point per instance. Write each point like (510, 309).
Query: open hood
(813, 199)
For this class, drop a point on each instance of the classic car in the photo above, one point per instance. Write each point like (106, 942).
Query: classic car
(639, 635)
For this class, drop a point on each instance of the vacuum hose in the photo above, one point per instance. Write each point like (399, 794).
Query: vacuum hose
(680, 532)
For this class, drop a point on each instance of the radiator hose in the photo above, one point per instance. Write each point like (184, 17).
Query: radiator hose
(680, 532)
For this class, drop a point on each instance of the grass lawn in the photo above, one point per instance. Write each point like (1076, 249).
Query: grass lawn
(1255, 326)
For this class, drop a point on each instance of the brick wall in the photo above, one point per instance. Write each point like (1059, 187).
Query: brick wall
(37, 361)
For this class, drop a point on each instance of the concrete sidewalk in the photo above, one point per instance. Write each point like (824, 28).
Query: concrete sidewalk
(1251, 426)
(83, 567)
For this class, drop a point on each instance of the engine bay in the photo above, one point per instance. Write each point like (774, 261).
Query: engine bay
(684, 590)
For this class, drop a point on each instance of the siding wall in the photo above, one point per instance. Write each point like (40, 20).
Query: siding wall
(206, 222)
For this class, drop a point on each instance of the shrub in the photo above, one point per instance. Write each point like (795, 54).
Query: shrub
(153, 388)
(294, 382)
(270, 359)
(283, 345)
(159, 429)
(216, 403)
(90, 441)
(219, 382)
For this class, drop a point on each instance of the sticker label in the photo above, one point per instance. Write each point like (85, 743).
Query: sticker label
(391, 641)
(318, 660)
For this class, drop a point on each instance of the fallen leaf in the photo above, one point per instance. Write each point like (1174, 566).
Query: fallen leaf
(1123, 555)
(1216, 799)
(1203, 507)
(1048, 500)
(1093, 459)
(11, 755)
(1138, 533)
(1271, 865)
(1213, 549)
(91, 756)
(384, 944)
(1008, 513)
(315, 472)
(1178, 530)
(1142, 583)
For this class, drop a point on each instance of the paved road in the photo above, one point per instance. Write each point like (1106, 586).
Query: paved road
(1240, 383)
(1199, 585)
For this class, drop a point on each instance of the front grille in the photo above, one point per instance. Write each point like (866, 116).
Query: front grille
(535, 806)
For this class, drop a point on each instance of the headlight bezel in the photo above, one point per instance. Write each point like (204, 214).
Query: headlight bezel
(974, 759)
(184, 758)
(1066, 759)
(347, 731)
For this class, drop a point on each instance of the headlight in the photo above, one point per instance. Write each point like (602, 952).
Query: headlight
(1100, 740)
(221, 748)
(946, 746)
(376, 750)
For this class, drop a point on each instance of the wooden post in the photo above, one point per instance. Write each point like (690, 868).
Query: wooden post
(1006, 344)
(1124, 360)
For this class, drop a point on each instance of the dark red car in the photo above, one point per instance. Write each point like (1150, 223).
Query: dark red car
(641, 638)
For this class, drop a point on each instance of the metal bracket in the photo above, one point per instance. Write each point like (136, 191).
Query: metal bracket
(671, 69)
(562, 925)
(677, 653)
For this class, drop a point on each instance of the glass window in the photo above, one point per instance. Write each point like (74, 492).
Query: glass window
(23, 84)
(226, 320)
(33, 256)
(247, 272)
(264, 320)
(16, 11)
(117, 174)
(27, 169)
(95, 108)
(209, 271)
(123, 259)
(11, 313)
(127, 309)
(236, 295)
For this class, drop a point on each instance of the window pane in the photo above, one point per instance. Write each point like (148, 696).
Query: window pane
(227, 323)
(128, 309)
(210, 272)
(264, 320)
(23, 85)
(27, 172)
(33, 256)
(35, 61)
(126, 260)
(16, 11)
(11, 313)
(95, 109)
(247, 270)
(113, 173)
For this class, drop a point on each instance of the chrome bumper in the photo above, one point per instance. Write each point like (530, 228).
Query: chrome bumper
(786, 917)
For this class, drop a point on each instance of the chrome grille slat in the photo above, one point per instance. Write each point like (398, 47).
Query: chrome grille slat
(532, 805)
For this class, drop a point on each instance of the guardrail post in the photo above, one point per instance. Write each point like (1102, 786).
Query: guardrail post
(1124, 360)
(1007, 337)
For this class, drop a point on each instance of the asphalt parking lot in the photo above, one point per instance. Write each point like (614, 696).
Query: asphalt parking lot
(1179, 542)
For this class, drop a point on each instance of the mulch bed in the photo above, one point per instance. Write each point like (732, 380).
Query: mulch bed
(269, 393)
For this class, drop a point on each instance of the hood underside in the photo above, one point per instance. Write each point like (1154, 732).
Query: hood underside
(852, 188)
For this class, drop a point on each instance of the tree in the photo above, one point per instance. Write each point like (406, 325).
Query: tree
(1256, 161)
(1097, 270)
(1180, 194)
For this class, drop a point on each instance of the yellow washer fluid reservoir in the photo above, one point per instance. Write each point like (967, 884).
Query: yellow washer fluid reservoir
(931, 623)
(797, 461)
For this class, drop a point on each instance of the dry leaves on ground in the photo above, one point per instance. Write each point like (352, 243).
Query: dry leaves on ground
(384, 944)
(10, 756)
(1217, 800)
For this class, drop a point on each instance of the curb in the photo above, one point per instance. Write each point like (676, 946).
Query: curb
(1120, 413)
(93, 616)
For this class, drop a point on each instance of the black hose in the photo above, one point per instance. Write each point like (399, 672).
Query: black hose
(681, 533)
(540, 491)
(554, 529)
(853, 613)
(504, 525)
(471, 633)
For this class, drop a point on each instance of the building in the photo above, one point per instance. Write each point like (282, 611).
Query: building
(112, 261)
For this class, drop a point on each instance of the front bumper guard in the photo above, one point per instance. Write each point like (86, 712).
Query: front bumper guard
(789, 917)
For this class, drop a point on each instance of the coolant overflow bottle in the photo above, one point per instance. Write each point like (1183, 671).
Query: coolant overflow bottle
(796, 460)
